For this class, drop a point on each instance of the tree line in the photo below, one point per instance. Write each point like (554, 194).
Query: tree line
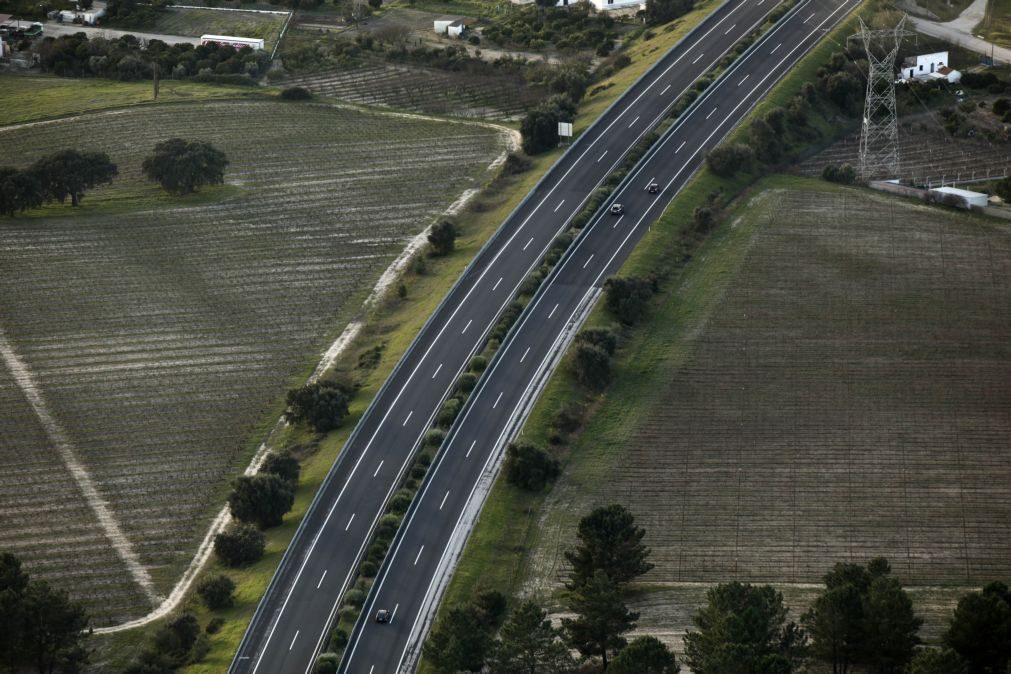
(862, 620)
(124, 58)
(179, 166)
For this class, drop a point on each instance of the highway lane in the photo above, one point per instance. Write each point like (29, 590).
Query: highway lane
(289, 627)
(472, 446)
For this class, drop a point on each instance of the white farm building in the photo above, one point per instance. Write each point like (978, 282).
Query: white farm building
(604, 5)
(929, 67)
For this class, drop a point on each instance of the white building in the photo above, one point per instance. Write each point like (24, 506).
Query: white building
(968, 198)
(604, 5)
(89, 17)
(451, 27)
(929, 67)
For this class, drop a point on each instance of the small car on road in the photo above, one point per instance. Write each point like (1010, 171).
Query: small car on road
(382, 616)
(652, 188)
(617, 209)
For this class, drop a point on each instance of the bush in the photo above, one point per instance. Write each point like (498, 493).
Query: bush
(478, 364)
(442, 238)
(240, 545)
(1000, 106)
(355, 598)
(599, 337)
(467, 382)
(328, 663)
(214, 625)
(592, 366)
(570, 417)
(323, 405)
(529, 467)
(401, 502)
(388, 525)
(216, 591)
(434, 437)
(296, 94)
(283, 465)
(369, 569)
(338, 638)
(627, 298)
(261, 499)
(727, 160)
(447, 415)
(845, 174)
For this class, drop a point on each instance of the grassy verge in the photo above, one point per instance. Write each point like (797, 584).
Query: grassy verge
(496, 555)
(197, 22)
(30, 98)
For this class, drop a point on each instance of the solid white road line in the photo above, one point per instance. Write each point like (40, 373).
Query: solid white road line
(293, 640)
(680, 146)
(408, 418)
(321, 579)
(553, 311)
(470, 449)
(444, 500)
(378, 467)
(711, 113)
(697, 58)
(466, 326)
(588, 261)
(497, 399)
(417, 558)
(602, 156)
(524, 356)
(528, 243)
(349, 522)
(633, 122)
(744, 80)
(495, 287)
(665, 90)
(559, 205)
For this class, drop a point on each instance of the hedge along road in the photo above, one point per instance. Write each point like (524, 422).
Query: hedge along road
(290, 624)
(426, 547)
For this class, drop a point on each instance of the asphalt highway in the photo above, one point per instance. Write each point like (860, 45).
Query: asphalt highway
(407, 577)
(290, 625)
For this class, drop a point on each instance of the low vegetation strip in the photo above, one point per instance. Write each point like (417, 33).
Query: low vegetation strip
(162, 330)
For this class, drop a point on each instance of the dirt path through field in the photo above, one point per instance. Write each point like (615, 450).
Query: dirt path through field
(61, 441)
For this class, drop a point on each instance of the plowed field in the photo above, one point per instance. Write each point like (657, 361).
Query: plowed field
(158, 331)
(844, 393)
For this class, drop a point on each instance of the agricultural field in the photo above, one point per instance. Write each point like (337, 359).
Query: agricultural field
(407, 86)
(830, 381)
(146, 340)
(997, 27)
(926, 153)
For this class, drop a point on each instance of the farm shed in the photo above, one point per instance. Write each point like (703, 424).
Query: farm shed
(969, 198)
(89, 17)
(604, 5)
(451, 26)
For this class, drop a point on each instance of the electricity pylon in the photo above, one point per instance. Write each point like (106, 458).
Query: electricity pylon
(879, 137)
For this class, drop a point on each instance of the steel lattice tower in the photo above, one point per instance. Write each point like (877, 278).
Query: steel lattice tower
(879, 137)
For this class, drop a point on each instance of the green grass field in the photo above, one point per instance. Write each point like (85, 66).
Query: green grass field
(29, 98)
(162, 331)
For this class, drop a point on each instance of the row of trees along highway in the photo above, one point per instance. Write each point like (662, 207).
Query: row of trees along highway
(862, 620)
